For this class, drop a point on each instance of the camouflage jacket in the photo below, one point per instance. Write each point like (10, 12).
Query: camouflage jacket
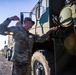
(23, 41)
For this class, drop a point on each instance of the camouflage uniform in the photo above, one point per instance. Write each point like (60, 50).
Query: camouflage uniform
(23, 47)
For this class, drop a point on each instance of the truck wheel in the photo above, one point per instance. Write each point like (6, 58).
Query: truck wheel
(43, 63)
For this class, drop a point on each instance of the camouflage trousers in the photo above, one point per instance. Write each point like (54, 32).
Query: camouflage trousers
(21, 68)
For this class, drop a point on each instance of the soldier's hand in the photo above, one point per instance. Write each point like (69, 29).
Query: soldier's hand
(53, 28)
(14, 18)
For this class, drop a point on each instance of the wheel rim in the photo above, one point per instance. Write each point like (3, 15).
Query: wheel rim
(38, 68)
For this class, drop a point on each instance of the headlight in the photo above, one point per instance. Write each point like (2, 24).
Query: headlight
(70, 44)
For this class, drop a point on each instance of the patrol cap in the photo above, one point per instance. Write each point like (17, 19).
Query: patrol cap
(29, 19)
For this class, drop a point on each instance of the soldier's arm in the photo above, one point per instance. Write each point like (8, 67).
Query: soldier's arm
(45, 36)
(10, 30)
(42, 38)
(5, 30)
(4, 25)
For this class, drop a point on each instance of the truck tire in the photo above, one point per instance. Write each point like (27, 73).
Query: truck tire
(42, 63)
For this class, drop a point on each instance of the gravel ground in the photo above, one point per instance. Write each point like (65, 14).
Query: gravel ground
(5, 66)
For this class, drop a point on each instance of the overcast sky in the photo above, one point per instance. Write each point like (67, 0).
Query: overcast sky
(10, 8)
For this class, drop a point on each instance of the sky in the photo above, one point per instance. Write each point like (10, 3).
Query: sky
(9, 8)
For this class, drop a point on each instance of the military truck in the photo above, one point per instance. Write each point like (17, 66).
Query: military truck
(57, 55)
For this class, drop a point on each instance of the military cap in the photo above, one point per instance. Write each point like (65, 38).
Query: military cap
(29, 19)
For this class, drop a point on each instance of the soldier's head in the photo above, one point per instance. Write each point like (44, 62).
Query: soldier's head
(28, 23)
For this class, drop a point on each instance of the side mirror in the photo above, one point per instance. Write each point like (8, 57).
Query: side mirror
(21, 18)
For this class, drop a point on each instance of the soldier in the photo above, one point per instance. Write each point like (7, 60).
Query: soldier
(24, 41)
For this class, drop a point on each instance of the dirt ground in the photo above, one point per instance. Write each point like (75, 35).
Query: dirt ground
(5, 66)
